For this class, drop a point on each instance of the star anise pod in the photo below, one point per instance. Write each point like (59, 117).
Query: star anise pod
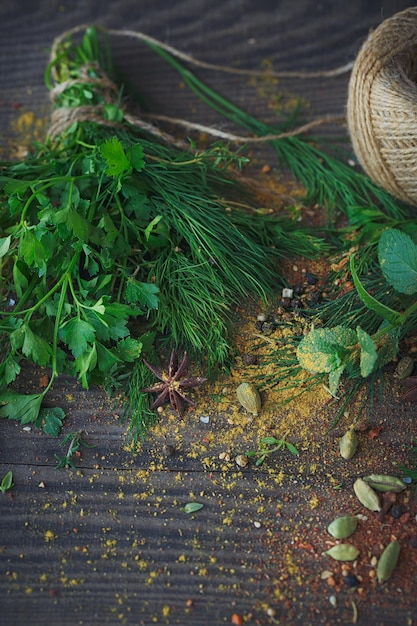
(410, 386)
(170, 389)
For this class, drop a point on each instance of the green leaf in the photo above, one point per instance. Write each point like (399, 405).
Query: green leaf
(23, 407)
(77, 334)
(50, 420)
(369, 354)
(136, 156)
(397, 255)
(35, 347)
(372, 303)
(147, 340)
(99, 307)
(79, 225)
(11, 370)
(291, 448)
(113, 153)
(7, 482)
(19, 279)
(334, 379)
(142, 293)
(5, 245)
(270, 441)
(387, 343)
(323, 349)
(129, 349)
(150, 227)
(85, 363)
(192, 507)
(32, 251)
(106, 358)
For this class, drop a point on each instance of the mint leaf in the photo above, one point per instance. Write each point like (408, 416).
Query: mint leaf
(21, 407)
(77, 334)
(397, 254)
(369, 354)
(323, 349)
(334, 379)
(113, 153)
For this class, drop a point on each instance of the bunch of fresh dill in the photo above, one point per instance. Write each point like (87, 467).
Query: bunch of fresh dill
(113, 241)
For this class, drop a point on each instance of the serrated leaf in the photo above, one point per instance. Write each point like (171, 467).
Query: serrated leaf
(136, 156)
(397, 254)
(129, 349)
(334, 379)
(79, 225)
(388, 344)
(192, 507)
(11, 370)
(50, 420)
(142, 293)
(32, 251)
(322, 349)
(35, 347)
(113, 153)
(78, 335)
(23, 407)
(369, 354)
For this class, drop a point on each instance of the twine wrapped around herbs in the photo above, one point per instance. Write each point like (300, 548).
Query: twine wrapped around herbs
(63, 117)
(382, 105)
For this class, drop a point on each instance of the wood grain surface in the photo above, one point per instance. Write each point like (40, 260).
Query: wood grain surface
(110, 544)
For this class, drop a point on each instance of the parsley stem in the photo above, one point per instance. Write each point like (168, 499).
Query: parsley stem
(55, 288)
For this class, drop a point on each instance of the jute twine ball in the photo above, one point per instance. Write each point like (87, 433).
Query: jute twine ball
(382, 105)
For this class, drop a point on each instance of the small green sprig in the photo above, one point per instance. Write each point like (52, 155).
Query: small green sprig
(341, 349)
(75, 441)
(269, 445)
(7, 482)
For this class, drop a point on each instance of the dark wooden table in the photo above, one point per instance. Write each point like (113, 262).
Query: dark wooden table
(109, 544)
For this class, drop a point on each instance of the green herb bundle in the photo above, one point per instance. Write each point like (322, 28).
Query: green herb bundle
(111, 239)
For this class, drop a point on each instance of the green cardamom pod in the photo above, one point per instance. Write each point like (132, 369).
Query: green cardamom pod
(384, 483)
(404, 368)
(343, 527)
(366, 495)
(348, 444)
(343, 552)
(388, 561)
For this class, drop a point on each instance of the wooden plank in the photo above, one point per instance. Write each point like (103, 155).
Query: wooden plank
(110, 544)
